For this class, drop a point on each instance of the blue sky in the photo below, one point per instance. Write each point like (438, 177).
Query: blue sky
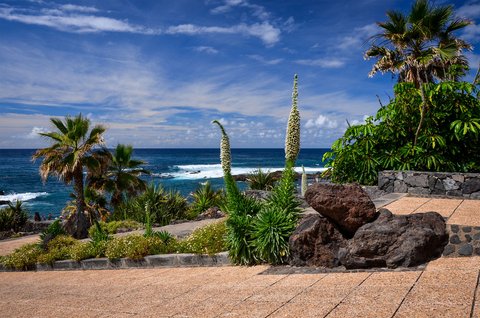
(157, 72)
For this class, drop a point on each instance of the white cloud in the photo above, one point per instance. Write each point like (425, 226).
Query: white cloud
(35, 132)
(263, 60)
(257, 10)
(77, 8)
(322, 62)
(206, 49)
(73, 22)
(471, 10)
(264, 31)
(322, 121)
(359, 36)
(471, 32)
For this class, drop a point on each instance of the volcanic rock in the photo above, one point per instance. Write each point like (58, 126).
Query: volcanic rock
(315, 242)
(396, 240)
(347, 206)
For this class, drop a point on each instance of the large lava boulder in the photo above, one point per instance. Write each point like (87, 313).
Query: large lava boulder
(315, 242)
(396, 240)
(346, 205)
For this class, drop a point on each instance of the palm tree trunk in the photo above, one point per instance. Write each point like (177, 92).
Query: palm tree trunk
(81, 224)
(422, 111)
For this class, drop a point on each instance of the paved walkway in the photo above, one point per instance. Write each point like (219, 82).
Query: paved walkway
(458, 211)
(446, 288)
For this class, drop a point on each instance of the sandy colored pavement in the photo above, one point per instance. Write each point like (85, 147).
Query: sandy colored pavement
(446, 288)
(458, 211)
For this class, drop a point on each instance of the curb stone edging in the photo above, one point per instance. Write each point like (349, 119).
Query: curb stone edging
(150, 261)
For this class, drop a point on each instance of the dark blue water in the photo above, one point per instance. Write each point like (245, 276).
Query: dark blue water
(180, 169)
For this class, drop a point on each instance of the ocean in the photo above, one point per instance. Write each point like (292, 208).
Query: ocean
(177, 169)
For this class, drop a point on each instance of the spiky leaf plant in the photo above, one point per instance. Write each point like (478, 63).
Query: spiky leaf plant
(272, 229)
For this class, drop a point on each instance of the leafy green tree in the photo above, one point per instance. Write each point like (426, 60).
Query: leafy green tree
(119, 175)
(421, 46)
(449, 140)
(73, 145)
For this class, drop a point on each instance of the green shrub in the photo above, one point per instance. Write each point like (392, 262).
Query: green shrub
(205, 197)
(271, 230)
(24, 257)
(57, 249)
(131, 246)
(448, 139)
(98, 234)
(206, 240)
(87, 250)
(13, 217)
(260, 180)
(165, 206)
(239, 239)
(112, 227)
(51, 232)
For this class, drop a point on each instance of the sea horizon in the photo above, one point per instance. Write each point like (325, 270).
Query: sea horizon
(176, 169)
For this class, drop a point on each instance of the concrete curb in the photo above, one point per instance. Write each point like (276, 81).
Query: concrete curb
(150, 261)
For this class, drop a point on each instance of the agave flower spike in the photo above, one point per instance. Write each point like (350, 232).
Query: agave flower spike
(292, 139)
(225, 154)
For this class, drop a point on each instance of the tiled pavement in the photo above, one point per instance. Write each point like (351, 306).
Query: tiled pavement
(458, 211)
(446, 288)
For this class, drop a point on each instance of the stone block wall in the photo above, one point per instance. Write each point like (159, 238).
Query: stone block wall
(464, 241)
(455, 184)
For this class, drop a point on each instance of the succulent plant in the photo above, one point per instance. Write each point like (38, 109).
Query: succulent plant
(225, 154)
(292, 139)
(304, 182)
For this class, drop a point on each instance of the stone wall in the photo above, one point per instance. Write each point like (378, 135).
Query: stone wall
(464, 241)
(456, 184)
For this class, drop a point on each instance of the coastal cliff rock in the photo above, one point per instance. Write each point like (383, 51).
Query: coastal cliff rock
(396, 240)
(347, 206)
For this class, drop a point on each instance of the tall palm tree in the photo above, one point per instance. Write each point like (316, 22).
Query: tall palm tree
(72, 150)
(420, 47)
(119, 175)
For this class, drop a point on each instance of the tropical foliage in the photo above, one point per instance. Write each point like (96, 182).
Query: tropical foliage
(205, 197)
(164, 206)
(261, 180)
(421, 46)
(449, 139)
(72, 149)
(259, 231)
(118, 175)
(13, 217)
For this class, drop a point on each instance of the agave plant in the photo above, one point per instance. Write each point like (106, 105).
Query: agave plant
(206, 197)
(260, 180)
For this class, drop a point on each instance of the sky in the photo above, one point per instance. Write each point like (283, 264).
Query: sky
(157, 72)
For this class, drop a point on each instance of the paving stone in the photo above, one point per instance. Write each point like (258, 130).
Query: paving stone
(467, 229)
(468, 238)
(449, 249)
(454, 228)
(465, 250)
(454, 239)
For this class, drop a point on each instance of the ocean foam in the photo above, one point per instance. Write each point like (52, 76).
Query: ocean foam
(212, 171)
(22, 196)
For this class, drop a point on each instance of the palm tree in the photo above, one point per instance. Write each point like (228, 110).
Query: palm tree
(71, 151)
(119, 175)
(420, 47)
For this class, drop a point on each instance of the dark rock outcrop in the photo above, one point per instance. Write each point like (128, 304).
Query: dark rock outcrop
(315, 242)
(347, 206)
(396, 240)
